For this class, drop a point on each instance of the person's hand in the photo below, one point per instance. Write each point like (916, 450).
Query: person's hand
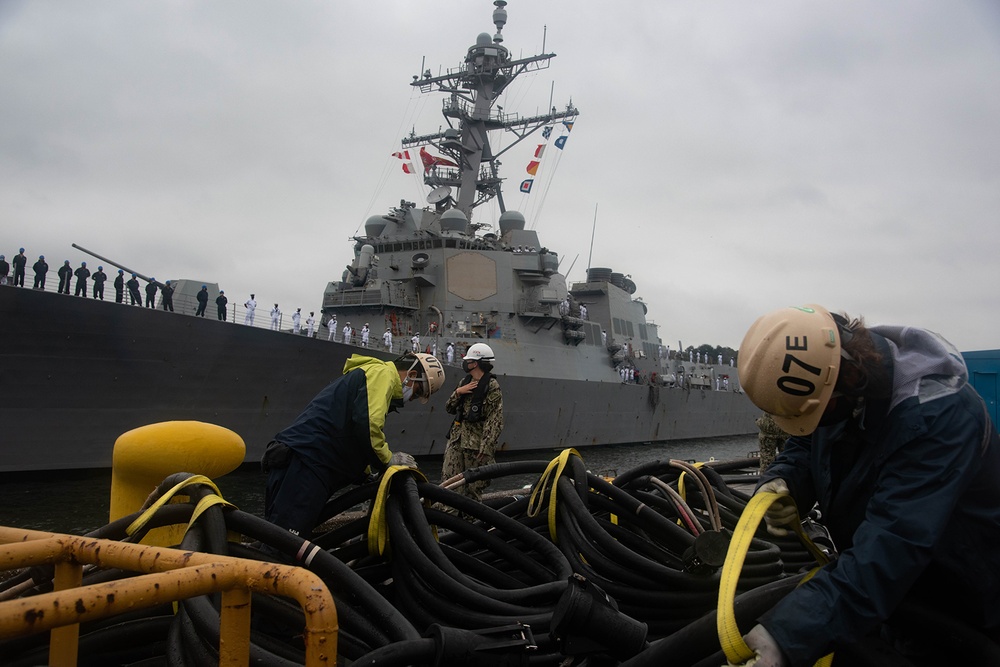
(768, 652)
(783, 513)
(403, 459)
(467, 388)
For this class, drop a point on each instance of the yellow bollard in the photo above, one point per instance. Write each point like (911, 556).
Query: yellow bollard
(145, 456)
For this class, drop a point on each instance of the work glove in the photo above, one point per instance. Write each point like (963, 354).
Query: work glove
(768, 653)
(783, 514)
(403, 459)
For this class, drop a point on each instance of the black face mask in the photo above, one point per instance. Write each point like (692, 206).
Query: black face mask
(467, 365)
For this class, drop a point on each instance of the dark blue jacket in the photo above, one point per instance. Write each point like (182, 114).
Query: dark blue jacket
(912, 501)
(341, 430)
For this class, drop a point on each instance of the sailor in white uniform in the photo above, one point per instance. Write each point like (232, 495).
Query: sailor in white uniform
(347, 333)
(415, 342)
(365, 332)
(311, 324)
(251, 306)
(331, 324)
(450, 353)
(297, 321)
(275, 318)
(387, 339)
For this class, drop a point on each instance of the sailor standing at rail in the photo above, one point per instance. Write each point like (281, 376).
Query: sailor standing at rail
(82, 273)
(151, 293)
(221, 302)
(365, 332)
(251, 306)
(202, 301)
(167, 296)
(120, 287)
(19, 261)
(347, 333)
(41, 268)
(275, 318)
(99, 277)
(415, 342)
(133, 290)
(331, 324)
(311, 323)
(387, 339)
(297, 321)
(449, 353)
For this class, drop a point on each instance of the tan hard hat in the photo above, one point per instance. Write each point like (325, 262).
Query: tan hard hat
(788, 365)
(433, 371)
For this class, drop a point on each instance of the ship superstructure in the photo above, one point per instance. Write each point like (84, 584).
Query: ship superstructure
(578, 364)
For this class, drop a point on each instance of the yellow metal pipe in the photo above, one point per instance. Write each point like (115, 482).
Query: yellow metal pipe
(234, 628)
(201, 574)
(65, 641)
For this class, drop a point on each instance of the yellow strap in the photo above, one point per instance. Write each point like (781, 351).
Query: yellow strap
(144, 518)
(551, 476)
(204, 504)
(378, 526)
(733, 646)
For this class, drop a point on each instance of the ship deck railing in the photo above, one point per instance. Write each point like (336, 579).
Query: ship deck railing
(368, 297)
(168, 575)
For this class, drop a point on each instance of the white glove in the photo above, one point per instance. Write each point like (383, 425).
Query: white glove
(782, 513)
(768, 652)
(403, 459)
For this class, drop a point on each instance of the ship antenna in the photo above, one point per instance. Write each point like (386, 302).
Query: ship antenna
(592, 231)
(499, 19)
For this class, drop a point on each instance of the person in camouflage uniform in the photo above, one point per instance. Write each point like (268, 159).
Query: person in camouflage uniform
(772, 440)
(478, 408)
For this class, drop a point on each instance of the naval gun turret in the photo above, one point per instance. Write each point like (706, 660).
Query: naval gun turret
(358, 274)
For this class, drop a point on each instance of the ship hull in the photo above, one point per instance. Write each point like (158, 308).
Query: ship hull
(77, 373)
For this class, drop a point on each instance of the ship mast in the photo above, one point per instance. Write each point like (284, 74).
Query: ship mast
(472, 92)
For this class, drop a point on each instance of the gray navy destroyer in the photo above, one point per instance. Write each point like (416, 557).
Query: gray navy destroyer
(579, 364)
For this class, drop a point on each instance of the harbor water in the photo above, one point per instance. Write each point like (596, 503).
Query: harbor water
(77, 502)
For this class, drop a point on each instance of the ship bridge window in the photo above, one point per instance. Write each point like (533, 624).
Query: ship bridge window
(642, 332)
(629, 329)
(616, 324)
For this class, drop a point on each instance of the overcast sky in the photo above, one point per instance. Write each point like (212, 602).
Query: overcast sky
(740, 156)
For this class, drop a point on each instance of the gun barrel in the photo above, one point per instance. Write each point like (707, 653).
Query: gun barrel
(111, 262)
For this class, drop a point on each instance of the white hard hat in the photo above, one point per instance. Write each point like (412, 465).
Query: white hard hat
(479, 352)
